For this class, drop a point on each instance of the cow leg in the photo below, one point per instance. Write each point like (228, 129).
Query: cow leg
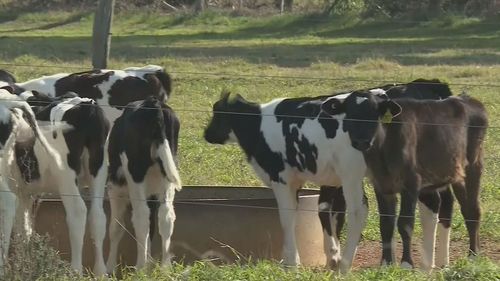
(76, 217)
(387, 211)
(444, 227)
(118, 202)
(406, 220)
(98, 170)
(8, 205)
(331, 212)
(468, 198)
(357, 213)
(429, 203)
(98, 220)
(166, 219)
(472, 185)
(140, 221)
(286, 197)
(23, 224)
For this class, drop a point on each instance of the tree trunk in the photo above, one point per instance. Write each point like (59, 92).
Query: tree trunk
(199, 6)
(284, 5)
(329, 8)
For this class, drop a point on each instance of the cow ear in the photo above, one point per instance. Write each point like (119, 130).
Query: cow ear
(224, 95)
(333, 106)
(8, 88)
(389, 109)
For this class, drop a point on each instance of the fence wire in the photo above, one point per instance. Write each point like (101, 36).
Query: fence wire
(220, 203)
(250, 76)
(261, 76)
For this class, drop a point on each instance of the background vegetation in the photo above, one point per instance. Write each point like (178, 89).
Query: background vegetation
(263, 55)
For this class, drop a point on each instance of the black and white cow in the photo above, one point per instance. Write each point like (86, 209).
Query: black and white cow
(331, 203)
(7, 77)
(81, 141)
(142, 150)
(111, 89)
(425, 145)
(289, 142)
(26, 155)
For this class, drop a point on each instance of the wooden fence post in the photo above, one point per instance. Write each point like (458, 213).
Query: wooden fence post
(101, 34)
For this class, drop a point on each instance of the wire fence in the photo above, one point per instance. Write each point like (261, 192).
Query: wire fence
(222, 203)
(247, 76)
(264, 76)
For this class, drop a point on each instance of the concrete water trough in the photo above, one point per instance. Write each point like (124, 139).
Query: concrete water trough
(218, 223)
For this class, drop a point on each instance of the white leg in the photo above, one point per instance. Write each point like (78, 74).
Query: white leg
(331, 244)
(118, 201)
(76, 217)
(97, 220)
(429, 221)
(8, 202)
(166, 219)
(23, 224)
(443, 246)
(140, 220)
(286, 198)
(357, 213)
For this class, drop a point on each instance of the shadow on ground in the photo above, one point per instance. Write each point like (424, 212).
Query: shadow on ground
(407, 44)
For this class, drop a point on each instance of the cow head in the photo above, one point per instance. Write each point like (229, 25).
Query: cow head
(363, 112)
(219, 130)
(7, 87)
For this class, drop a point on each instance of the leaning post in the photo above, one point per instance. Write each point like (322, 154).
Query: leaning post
(101, 34)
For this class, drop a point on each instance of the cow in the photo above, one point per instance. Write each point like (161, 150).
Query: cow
(7, 77)
(26, 155)
(424, 145)
(111, 89)
(81, 141)
(288, 142)
(331, 203)
(142, 149)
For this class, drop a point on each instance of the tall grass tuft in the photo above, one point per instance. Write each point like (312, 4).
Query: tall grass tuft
(34, 259)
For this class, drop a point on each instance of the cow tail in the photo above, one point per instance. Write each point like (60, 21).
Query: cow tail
(8, 148)
(166, 157)
(53, 154)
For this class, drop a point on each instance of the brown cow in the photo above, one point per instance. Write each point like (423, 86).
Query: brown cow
(428, 145)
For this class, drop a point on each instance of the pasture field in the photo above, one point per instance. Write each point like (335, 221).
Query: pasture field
(276, 56)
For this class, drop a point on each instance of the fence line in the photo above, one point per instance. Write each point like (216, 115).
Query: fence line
(261, 76)
(274, 115)
(193, 202)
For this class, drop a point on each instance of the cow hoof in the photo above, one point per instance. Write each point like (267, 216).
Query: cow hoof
(344, 267)
(333, 264)
(100, 271)
(386, 263)
(406, 265)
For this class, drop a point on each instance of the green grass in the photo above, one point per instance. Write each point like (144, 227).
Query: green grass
(269, 57)
(464, 270)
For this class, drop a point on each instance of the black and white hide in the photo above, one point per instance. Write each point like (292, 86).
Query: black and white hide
(142, 151)
(29, 164)
(80, 139)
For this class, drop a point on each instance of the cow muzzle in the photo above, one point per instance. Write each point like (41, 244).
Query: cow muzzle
(361, 145)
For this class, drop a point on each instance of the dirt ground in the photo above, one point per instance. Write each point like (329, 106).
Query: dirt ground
(369, 252)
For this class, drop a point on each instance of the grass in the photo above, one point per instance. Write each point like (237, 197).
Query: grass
(268, 57)
(464, 270)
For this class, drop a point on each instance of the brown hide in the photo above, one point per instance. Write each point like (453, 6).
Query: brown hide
(430, 141)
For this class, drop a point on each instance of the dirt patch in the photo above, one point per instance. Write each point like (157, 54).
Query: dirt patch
(370, 252)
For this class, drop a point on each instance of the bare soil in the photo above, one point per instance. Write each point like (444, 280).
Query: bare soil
(369, 252)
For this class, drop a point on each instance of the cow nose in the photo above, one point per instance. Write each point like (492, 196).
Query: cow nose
(361, 145)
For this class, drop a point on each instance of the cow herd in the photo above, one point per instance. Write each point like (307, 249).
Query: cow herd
(71, 132)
